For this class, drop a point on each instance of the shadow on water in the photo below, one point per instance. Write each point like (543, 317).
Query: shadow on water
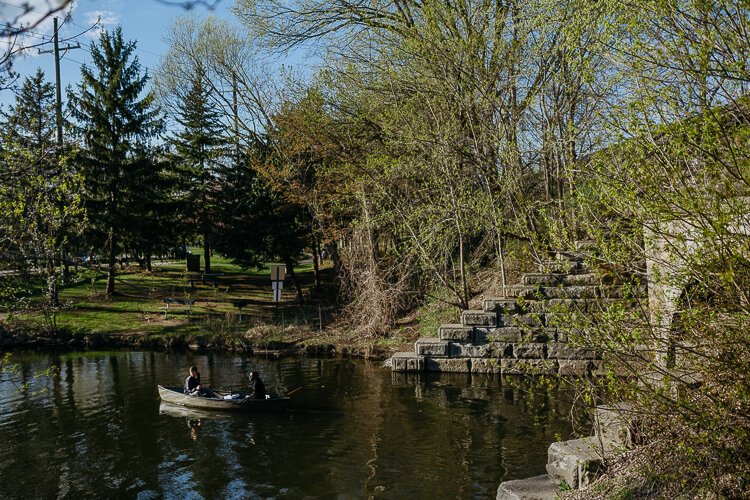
(354, 430)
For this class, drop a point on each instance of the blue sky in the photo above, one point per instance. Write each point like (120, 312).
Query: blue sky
(145, 21)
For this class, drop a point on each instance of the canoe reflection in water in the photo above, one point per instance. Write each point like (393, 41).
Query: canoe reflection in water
(194, 417)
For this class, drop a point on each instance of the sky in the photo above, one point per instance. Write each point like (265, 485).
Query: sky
(147, 22)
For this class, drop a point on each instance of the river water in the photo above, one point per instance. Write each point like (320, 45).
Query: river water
(355, 430)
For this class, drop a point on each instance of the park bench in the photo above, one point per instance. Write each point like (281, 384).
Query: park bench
(172, 301)
(212, 278)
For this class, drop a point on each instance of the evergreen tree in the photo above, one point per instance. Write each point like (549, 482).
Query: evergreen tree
(200, 146)
(115, 123)
(31, 121)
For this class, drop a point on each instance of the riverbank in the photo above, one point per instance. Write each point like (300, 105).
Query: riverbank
(274, 341)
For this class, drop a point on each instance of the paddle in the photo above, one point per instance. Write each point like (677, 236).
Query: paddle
(293, 391)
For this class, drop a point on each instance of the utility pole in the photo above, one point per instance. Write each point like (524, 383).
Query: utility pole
(58, 90)
(58, 116)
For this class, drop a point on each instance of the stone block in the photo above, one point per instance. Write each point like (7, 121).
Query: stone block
(545, 334)
(449, 365)
(535, 306)
(574, 367)
(528, 366)
(407, 362)
(570, 292)
(546, 279)
(542, 487)
(560, 266)
(563, 350)
(478, 318)
(502, 334)
(485, 365)
(431, 347)
(529, 350)
(566, 333)
(526, 292)
(585, 279)
(576, 461)
(456, 332)
(613, 423)
(466, 350)
(520, 320)
(500, 305)
(500, 349)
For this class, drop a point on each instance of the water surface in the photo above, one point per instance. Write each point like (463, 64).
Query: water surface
(356, 430)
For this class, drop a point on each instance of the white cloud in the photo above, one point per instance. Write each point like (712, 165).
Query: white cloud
(104, 18)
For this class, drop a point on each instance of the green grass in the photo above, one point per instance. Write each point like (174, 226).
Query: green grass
(138, 304)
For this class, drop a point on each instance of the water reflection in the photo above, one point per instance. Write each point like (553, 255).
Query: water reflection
(355, 430)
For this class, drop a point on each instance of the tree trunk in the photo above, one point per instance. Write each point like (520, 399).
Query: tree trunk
(295, 282)
(111, 269)
(51, 283)
(316, 262)
(148, 261)
(207, 250)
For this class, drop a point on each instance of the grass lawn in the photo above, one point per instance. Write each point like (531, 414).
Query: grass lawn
(138, 306)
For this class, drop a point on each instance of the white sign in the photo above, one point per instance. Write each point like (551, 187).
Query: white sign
(277, 286)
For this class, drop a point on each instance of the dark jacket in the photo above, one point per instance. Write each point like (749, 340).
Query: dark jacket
(192, 382)
(258, 389)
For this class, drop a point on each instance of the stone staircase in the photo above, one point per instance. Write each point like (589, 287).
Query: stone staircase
(523, 331)
(576, 463)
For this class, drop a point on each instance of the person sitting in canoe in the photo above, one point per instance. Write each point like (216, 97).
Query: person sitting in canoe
(193, 385)
(258, 390)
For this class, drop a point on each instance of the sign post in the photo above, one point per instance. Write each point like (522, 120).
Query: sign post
(278, 273)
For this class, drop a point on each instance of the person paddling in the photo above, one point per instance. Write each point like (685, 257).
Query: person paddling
(258, 390)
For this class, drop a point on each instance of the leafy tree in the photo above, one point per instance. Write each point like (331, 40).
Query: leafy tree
(115, 122)
(31, 158)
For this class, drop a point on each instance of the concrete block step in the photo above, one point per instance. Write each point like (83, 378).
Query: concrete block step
(571, 256)
(525, 292)
(456, 333)
(407, 362)
(542, 487)
(428, 346)
(514, 334)
(577, 461)
(501, 305)
(550, 279)
(563, 267)
(478, 318)
(520, 320)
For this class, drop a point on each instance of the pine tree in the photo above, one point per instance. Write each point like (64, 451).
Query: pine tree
(31, 121)
(200, 146)
(116, 124)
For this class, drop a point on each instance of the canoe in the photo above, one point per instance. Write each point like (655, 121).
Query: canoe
(176, 396)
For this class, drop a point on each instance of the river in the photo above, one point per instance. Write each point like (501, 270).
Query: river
(355, 430)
